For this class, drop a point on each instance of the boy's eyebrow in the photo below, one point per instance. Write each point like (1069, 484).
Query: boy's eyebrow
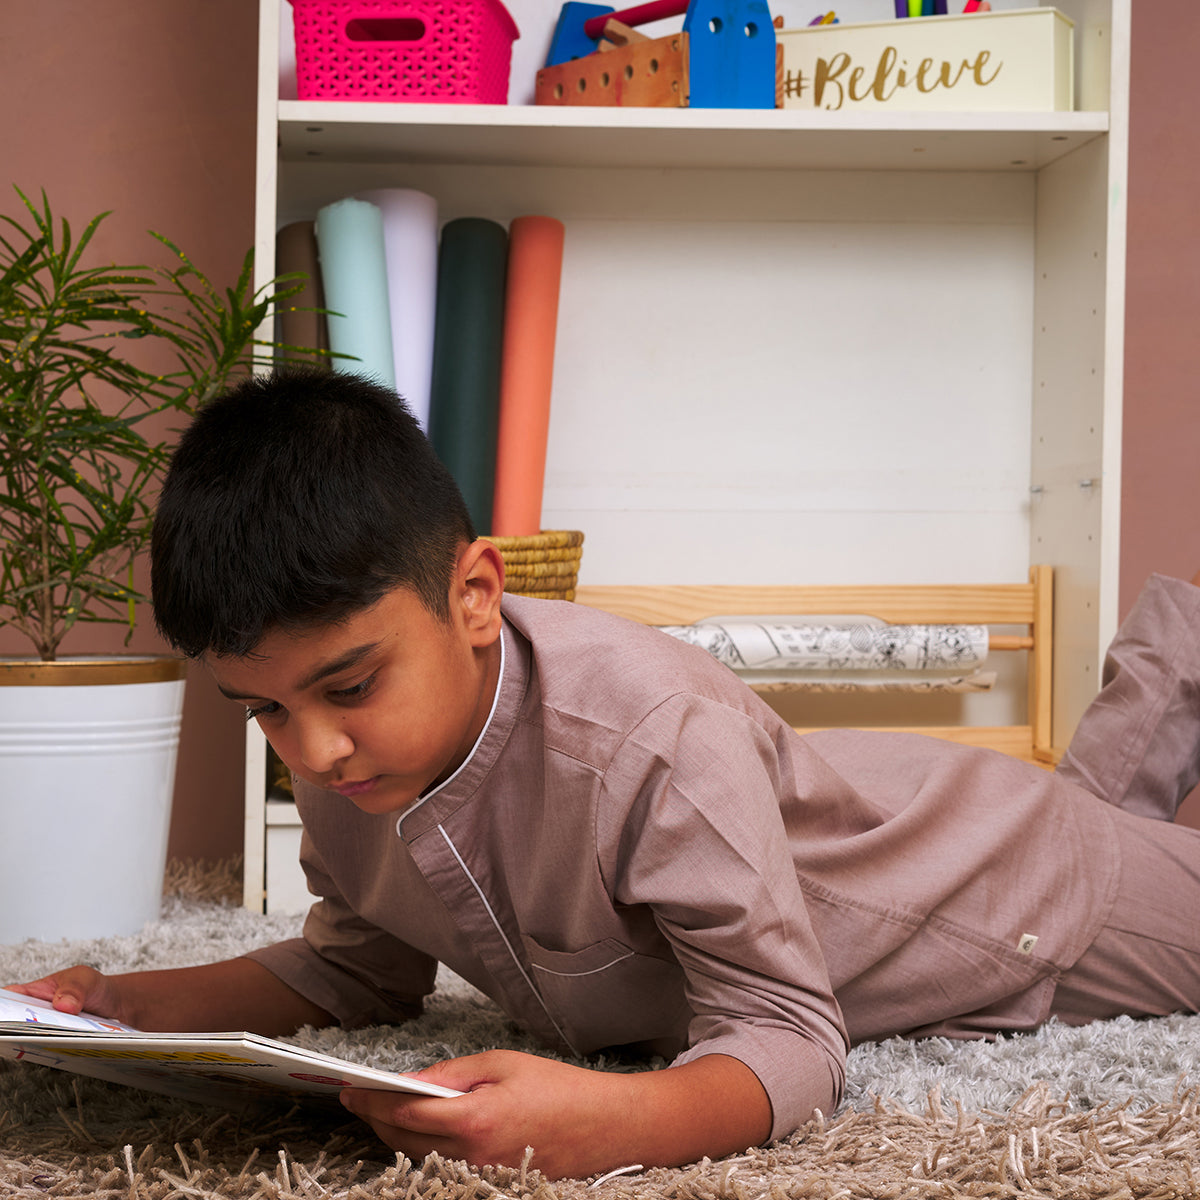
(344, 662)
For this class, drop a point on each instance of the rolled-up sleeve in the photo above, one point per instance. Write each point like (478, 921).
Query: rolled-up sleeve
(356, 971)
(704, 844)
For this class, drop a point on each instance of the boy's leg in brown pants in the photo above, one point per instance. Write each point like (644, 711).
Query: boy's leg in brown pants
(1138, 743)
(1138, 747)
(1145, 961)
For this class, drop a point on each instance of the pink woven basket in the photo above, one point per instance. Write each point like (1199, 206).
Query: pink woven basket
(453, 51)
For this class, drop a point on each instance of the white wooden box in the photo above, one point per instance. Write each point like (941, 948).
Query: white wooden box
(286, 886)
(1018, 60)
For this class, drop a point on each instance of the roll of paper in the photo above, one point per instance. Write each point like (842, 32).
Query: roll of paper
(410, 242)
(535, 254)
(354, 278)
(750, 645)
(299, 323)
(465, 394)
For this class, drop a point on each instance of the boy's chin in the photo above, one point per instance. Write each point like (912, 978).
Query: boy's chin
(385, 795)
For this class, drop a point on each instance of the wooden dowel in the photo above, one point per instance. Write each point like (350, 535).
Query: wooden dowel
(639, 14)
(1009, 641)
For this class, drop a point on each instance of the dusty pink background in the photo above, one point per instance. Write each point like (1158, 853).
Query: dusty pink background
(147, 108)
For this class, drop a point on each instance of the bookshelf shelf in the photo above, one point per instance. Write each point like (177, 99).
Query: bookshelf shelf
(795, 347)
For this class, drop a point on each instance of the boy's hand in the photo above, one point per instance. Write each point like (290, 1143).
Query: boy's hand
(77, 989)
(579, 1122)
(234, 994)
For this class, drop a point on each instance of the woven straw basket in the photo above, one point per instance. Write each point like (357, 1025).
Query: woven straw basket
(544, 565)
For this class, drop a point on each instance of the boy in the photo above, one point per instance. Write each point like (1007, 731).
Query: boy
(605, 831)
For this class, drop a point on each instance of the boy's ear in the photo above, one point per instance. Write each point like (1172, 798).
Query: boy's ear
(480, 588)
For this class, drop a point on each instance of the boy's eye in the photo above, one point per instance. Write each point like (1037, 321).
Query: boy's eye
(357, 692)
(263, 710)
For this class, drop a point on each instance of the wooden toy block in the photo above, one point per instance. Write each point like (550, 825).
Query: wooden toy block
(646, 73)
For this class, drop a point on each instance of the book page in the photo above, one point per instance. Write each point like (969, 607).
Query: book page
(17, 1008)
(211, 1067)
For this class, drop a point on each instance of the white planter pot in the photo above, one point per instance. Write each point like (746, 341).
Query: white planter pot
(87, 774)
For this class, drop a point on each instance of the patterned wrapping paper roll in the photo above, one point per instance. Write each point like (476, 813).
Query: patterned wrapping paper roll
(850, 655)
(465, 395)
(761, 645)
(410, 241)
(535, 253)
(767, 682)
(354, 278)
(296, 253)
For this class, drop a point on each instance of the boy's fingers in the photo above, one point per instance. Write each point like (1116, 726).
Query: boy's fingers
(472, 1070)
(68, 999)
(427, 1115)
(67, 991)
(25, 989)
(72, 988)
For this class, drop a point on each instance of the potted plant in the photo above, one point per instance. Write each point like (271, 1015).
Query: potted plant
(82, 348)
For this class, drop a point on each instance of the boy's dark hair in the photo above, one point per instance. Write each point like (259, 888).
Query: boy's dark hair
(298, 499)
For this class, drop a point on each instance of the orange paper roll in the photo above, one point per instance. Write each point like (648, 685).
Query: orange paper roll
(535, 251)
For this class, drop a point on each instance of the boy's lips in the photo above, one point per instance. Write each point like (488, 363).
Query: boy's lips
(354, 788)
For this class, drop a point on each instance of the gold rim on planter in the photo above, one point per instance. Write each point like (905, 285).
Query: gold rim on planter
(542, 565)
(91, 672)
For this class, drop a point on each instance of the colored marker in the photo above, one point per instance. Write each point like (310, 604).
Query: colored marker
(901, 8)
(971, 6)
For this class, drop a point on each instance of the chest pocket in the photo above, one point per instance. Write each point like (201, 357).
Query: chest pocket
(608, 995)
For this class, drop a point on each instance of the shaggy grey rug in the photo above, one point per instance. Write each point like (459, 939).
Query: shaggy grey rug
(1102, 1111)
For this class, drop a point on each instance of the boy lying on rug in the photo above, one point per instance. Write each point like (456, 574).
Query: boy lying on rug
(608, 833)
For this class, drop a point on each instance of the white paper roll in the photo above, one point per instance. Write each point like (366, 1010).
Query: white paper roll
(410, 241)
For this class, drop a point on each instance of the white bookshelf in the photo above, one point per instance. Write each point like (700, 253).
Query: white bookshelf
(795, 347)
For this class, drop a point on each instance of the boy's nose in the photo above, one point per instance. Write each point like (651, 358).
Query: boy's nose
(323, 745)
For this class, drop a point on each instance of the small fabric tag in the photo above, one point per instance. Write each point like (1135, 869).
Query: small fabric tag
(1027, 943)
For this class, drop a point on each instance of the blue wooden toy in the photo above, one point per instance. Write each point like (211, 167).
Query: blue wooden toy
(730, 51)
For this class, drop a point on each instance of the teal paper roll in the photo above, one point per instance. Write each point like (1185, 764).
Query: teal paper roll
(468, 344)
(354, 279)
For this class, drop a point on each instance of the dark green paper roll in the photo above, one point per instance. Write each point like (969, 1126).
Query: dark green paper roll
(468, 342)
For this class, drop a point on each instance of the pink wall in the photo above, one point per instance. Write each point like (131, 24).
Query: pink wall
(147, 108)
(1160, 499)
(1160, 510)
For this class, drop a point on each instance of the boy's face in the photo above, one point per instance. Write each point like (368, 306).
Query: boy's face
(386, 704)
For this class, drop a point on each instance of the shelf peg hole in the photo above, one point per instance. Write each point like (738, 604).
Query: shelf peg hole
(716, 25)
(751, 30)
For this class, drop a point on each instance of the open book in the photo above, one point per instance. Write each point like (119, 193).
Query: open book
(209, 1067)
